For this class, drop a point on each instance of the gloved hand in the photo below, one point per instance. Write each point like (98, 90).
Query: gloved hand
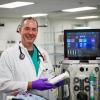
(60, 83)
(42, 84)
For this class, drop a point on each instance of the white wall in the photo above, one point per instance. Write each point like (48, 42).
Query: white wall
(94, 24)
(59, 25)
(8, 31)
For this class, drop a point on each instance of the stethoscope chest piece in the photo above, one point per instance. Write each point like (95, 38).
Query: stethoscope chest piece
(21, 56)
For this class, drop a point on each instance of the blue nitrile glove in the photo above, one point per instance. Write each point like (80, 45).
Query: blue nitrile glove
(42, 84)
(60, 83)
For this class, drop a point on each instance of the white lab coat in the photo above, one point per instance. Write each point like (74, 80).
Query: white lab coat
(15, 73)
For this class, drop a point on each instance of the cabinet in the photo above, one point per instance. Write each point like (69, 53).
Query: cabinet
(54, 45)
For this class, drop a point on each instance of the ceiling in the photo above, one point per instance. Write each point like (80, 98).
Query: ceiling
(52, 7)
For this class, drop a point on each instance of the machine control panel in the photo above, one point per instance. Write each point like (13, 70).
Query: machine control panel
(79, 80)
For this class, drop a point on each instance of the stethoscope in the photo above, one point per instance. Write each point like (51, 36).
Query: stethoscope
(22, 55)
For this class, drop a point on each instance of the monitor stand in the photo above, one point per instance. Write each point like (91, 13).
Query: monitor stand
(84, 61)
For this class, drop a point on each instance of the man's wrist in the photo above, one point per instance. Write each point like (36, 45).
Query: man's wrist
(29, 86)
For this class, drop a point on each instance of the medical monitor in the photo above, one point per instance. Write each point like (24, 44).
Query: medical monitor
(82, 44)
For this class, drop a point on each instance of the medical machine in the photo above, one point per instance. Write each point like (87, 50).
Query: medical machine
(79, 84)
(82, 61)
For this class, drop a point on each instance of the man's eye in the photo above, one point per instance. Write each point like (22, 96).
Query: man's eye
(26, 28)
(34, 29)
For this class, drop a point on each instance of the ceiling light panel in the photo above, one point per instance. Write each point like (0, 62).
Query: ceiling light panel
(87, 17)
(79, 9)
(15, 4)
(35, 15)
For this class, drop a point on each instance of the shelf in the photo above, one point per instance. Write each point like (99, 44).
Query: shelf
(56, 54)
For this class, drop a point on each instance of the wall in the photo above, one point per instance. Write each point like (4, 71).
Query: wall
(94, 24)
(8, 32)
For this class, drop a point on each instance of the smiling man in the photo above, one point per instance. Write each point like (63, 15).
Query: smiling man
(25, 68)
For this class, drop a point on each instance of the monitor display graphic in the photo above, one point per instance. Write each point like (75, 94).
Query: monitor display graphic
(82, 44)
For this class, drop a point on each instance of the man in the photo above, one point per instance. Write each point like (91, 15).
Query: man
(26, 67)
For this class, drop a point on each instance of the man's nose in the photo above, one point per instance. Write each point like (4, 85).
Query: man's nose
(31, 32)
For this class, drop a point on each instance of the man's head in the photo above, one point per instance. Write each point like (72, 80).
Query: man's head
(28, 18)
(28, 30)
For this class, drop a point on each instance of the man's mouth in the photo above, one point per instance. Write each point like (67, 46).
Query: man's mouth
(30, 37)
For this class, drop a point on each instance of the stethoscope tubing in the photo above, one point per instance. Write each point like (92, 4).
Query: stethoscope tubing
(22, 55)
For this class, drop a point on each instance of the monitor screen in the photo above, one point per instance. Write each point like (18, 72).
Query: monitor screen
(82, 44)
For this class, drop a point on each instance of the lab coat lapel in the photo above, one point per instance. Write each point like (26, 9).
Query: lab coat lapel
(42, 68)
(27, 54)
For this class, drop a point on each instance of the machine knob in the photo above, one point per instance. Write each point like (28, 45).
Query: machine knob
(96, 69)
(81, 69)
(64, 70)
(82, 96)
(76, 80)
(87, 88)
(76, 88)
(87, 80)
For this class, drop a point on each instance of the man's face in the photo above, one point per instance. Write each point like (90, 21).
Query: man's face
(29, 31)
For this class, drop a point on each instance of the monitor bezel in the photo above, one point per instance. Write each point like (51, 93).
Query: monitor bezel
(65, 43)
